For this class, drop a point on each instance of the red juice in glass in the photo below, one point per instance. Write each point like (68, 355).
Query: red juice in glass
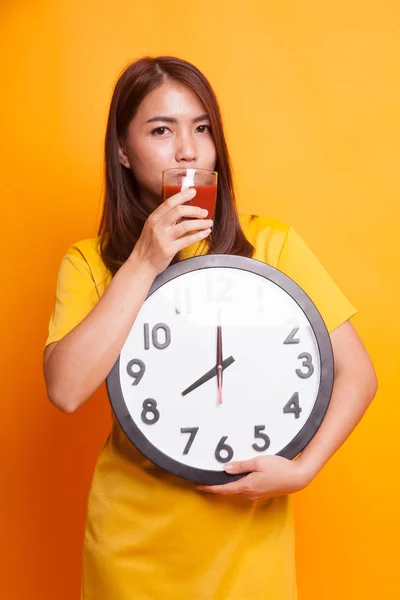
(202, 180)
(206, 196)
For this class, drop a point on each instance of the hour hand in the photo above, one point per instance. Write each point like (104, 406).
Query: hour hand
(207, 376)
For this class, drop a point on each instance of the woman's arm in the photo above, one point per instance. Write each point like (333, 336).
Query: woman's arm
(354, 387)
(78, 364)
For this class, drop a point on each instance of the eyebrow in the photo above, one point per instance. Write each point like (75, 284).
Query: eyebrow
(162, 119)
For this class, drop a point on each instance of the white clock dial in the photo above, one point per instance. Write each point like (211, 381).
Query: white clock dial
(228, 359)
(269, 389)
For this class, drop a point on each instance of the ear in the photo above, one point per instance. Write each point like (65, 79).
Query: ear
(123, 158)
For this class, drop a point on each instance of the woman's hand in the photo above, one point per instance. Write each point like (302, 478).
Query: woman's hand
(163, 236)
(268, 476)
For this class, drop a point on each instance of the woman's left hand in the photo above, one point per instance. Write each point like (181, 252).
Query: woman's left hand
(268, 476)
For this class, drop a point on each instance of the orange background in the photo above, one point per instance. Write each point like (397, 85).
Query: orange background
(310, 94)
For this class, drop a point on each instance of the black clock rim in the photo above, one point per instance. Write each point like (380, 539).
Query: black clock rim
(311, 426)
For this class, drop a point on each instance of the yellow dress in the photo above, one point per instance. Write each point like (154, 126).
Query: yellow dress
(152, 536)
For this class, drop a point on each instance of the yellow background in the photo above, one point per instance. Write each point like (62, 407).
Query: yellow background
(310, 95)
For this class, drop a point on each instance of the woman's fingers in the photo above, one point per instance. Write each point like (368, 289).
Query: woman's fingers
(166, 231)
(190, 225)
(183, 211)
(188, 240)
(173, 201)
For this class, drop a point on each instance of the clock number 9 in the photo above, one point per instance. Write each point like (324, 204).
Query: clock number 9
(307, 363)
(137, 375)
(150, 408)
(222, 447)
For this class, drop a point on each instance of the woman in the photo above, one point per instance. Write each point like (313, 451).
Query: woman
(149, 534)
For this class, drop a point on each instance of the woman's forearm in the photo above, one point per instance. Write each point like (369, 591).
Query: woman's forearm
(79, 363)
(352, 393)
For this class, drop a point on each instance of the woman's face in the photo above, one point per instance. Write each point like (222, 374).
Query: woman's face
(170, 129)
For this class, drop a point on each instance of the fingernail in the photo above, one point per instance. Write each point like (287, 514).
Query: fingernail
(190, 193)
(204, 211)
(229, 467)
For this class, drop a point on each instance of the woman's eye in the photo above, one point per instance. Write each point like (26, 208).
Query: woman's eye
(203, 128)
(159, 131)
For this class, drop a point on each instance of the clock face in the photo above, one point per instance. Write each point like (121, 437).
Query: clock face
(275, 368)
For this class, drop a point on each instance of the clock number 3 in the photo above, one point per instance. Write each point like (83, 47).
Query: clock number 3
(307, 363)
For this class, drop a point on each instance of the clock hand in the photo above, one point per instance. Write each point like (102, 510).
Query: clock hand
(219, 362)
(209, 375)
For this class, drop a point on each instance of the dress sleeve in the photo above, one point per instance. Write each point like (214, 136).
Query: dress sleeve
(299, 263)
(76, 295)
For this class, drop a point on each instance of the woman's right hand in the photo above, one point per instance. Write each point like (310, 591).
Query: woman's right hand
(164, 235)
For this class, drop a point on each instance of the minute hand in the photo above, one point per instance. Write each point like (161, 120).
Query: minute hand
(209, 375)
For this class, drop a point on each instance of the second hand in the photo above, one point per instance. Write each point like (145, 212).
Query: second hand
(219, 362)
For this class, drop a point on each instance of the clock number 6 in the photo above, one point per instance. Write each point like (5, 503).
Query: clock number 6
(222, 447)
(150, 408)
(307, 363)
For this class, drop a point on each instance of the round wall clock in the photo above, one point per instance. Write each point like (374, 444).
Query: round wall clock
(228, 359)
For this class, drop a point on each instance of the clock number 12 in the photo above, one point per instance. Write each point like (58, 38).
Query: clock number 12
(222, 292)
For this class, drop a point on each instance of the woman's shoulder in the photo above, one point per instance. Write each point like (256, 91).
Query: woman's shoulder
(86, 256)
(257, 223)
(267, 235)
(89, 249)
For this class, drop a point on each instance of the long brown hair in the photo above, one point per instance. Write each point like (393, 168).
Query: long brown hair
(124, 214)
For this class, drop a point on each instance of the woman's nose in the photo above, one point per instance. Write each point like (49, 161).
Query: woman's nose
(186, 148)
